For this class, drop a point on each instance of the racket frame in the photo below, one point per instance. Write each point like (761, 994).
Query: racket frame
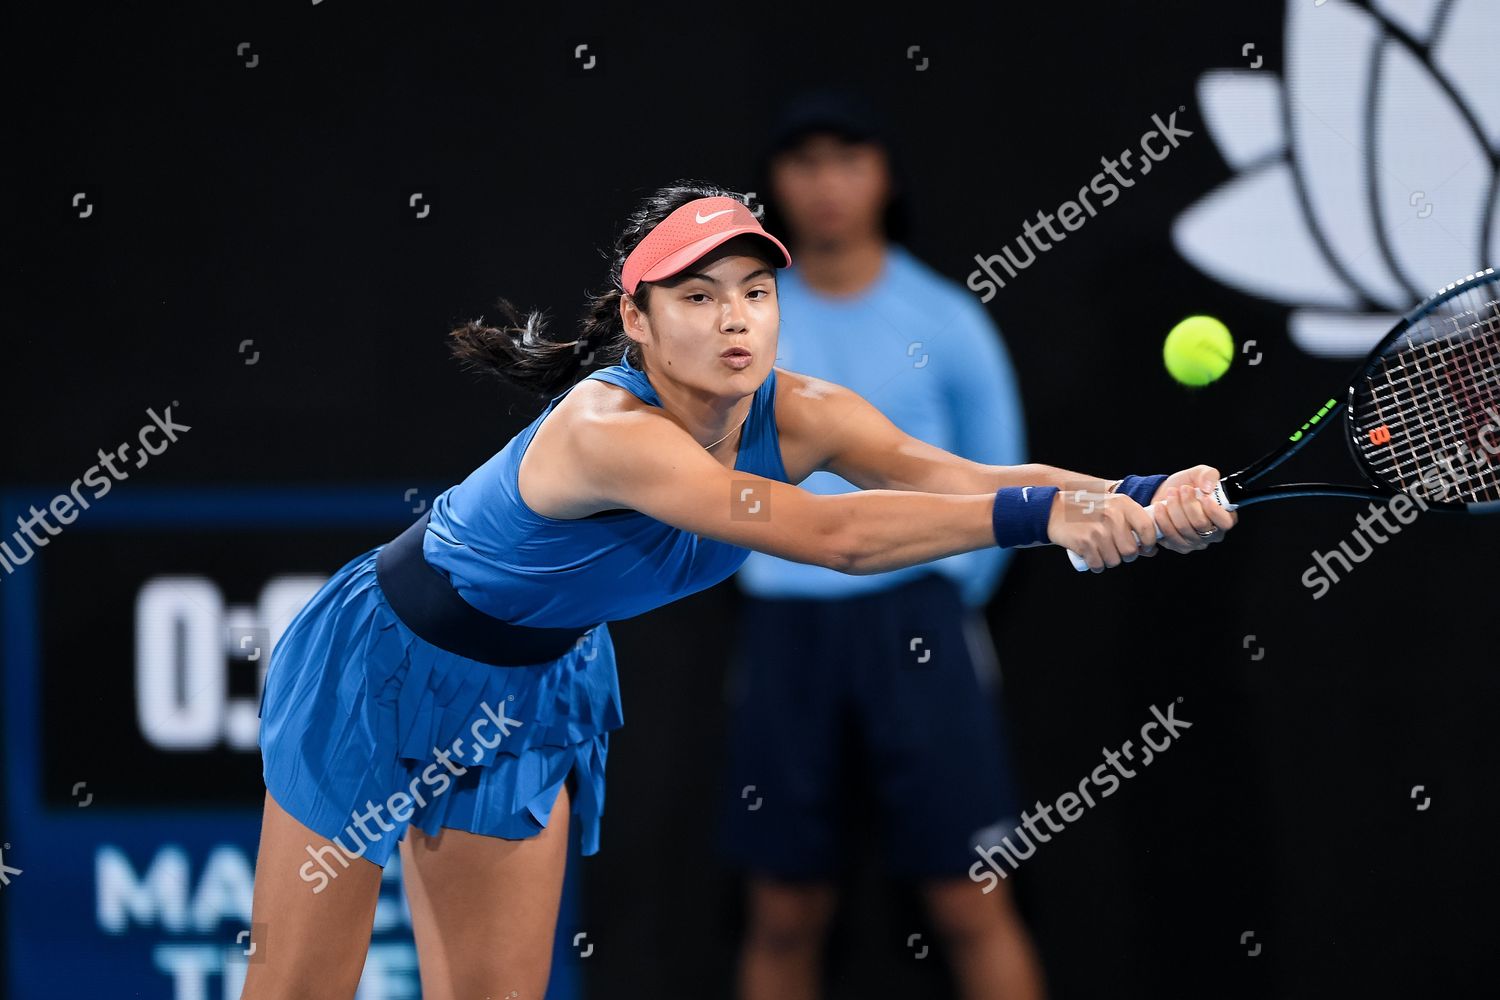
(1237, 488)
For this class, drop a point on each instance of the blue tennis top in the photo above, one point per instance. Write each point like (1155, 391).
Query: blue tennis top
(511, 562)
(924, 352)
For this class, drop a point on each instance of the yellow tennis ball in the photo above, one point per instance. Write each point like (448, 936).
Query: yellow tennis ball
(1198, 350)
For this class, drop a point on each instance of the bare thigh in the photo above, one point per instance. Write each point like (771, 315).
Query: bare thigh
(484, 909)
(307, 944)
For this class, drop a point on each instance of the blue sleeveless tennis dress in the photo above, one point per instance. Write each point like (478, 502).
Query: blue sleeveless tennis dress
(367, 727)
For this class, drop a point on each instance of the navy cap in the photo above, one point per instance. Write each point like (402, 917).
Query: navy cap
(827, 110)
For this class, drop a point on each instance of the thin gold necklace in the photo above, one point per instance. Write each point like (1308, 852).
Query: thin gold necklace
(710, 447)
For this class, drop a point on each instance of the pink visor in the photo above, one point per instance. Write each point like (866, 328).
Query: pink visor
(687, 234)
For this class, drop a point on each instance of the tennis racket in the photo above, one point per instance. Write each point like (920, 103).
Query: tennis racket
(1421, 414)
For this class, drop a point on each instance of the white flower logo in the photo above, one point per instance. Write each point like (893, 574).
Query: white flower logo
(1367, 177)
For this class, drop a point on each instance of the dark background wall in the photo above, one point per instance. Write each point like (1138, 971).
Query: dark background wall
(270, 205)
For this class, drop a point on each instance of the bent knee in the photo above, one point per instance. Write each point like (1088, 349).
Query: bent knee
(962, 913)
(785, 918)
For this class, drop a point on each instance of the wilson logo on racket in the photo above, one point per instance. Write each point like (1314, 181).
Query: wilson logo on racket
(1314, 419)
(1381, 435)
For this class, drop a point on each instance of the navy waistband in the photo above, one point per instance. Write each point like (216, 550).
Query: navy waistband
(427, 604)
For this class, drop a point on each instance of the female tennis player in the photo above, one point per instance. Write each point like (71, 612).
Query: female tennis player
(453, 690)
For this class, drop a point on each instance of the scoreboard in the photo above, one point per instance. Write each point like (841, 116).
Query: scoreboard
(135, 645)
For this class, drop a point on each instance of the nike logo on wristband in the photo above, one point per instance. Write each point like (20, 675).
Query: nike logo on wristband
(1026, 493)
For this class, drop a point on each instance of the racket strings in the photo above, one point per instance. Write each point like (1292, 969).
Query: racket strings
(1459, 349)
(1446, 409)
(1428, 410)
(1394, 408)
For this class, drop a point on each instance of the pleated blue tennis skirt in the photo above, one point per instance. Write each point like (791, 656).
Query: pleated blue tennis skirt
(367, 729)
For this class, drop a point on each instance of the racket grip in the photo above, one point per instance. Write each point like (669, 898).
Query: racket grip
(1081, 564)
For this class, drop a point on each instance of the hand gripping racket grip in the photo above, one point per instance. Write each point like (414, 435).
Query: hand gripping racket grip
(1080, 564)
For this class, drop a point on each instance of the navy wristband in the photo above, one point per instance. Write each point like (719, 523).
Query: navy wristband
(1141, 488)
(1020, 515)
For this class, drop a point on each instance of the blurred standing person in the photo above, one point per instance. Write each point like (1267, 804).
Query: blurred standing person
(896, 668)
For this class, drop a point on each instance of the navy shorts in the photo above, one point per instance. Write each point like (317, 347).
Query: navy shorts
(876, 695)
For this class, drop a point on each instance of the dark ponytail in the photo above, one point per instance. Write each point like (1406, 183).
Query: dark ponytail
(517, 349)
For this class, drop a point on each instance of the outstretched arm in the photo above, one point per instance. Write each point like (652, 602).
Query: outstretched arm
(850, 437)
(648, 463)
(856, 441)
(644, 461)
